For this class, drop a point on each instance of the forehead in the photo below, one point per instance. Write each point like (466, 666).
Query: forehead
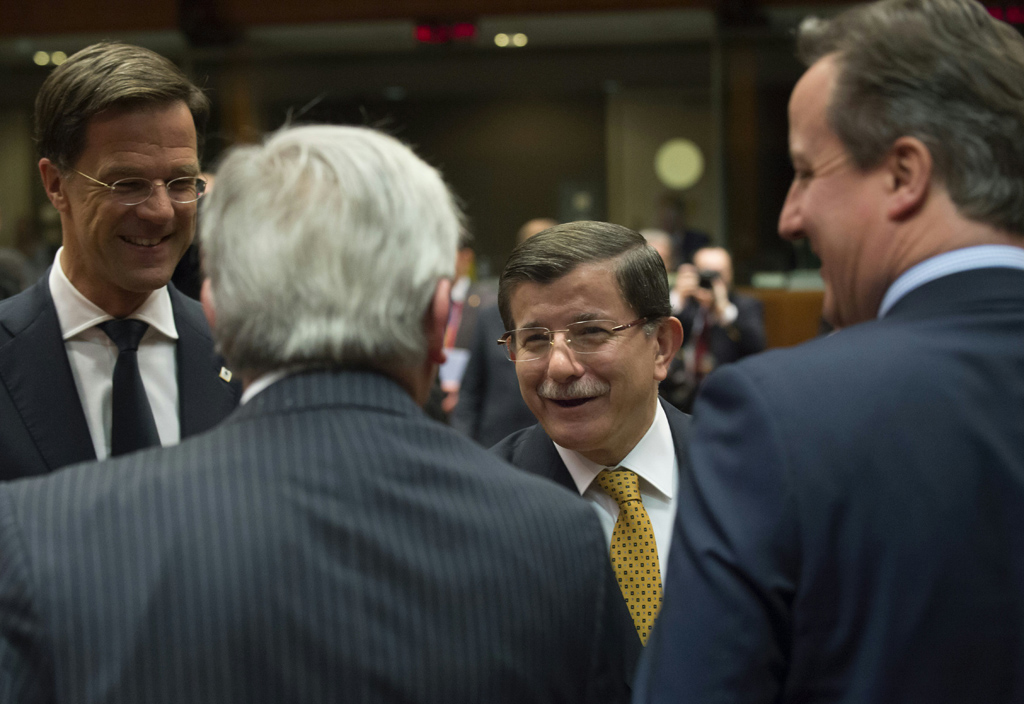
(711, 259)
(808, 107)
(588, 291)
(134, 133)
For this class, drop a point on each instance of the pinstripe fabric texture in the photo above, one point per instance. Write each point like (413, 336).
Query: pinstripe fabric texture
(327, 543)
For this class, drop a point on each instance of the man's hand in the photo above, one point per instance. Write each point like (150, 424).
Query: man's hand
(688, 286)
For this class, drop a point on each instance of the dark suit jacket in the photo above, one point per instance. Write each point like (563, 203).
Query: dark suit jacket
(852, 525)
(532, 450)
(490, 404)
(327, 542)
(41, 417)
(728, 343)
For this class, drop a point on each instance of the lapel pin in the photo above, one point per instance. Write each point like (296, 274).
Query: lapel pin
(225, 374)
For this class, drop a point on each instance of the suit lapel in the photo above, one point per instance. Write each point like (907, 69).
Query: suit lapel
(35, 369)
(204, 398)
(679, 425)
(537, 454)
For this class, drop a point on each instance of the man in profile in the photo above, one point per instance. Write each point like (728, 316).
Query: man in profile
(102, 357)
(328, 542)
(586, 309)
(852, 527)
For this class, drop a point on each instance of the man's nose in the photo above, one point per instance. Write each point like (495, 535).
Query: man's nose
(158, 207)
(562, 361)
(790, 221)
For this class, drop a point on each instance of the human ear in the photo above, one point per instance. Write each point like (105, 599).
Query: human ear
(909, 167)
(53, 184)
(669, 337)
(435, 319)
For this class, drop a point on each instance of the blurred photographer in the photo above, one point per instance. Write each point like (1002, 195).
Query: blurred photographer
(719, 325)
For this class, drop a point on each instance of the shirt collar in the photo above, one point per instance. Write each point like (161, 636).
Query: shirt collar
(262, 382)
(460, 288)
(981, 257)
(76, 313)
(653, 458)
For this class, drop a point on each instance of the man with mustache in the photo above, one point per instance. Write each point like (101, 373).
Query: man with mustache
(102, 357)
(590, 331)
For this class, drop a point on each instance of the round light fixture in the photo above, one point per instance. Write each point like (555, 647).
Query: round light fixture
(679, 163)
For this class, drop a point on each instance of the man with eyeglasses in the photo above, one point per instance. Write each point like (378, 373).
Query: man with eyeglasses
(589, 330)
(102, 357)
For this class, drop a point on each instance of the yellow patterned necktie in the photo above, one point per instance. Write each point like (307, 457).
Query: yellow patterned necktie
(634, 552)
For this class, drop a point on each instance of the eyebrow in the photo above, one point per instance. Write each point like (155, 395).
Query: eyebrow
(580, 318)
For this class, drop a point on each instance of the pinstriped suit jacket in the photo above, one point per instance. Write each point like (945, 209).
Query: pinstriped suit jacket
(326, 543)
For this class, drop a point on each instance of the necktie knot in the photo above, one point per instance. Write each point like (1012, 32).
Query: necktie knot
(623, 485)
(125, 332)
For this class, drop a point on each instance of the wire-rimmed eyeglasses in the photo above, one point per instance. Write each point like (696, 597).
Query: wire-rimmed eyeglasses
(584, 337)
(133, 191)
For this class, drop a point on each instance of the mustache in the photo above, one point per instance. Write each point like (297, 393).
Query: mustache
(580, 388)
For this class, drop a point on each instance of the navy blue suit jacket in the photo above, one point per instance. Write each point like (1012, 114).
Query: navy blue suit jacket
(851, 528)
(533, 451)
(327, 542)
(41, 417)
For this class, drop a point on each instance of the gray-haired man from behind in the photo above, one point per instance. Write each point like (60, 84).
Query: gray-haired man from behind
(328, 541)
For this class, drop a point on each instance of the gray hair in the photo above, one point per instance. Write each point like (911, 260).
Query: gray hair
(943, 71)
(550, 255)
(99, 77)
(324, 246)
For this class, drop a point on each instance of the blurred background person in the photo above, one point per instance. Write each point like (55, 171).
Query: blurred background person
(490, 406)
(469, 297)
(662, 243)
(719, 325)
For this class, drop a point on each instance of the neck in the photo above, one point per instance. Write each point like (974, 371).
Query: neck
(116, 302)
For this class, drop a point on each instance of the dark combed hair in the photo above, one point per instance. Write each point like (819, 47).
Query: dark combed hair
(943, 71)
(103, 76)
(555, 252)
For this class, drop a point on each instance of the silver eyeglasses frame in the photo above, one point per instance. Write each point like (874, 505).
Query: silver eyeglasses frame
(506, 338)
(200, 187)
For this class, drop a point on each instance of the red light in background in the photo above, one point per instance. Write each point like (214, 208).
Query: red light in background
(1012, 14)
(436, 33)
(463, 30)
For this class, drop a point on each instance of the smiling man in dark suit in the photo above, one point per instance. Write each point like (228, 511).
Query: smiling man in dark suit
(328, 542)
(852, 524)
(589, 330)
(116, 131)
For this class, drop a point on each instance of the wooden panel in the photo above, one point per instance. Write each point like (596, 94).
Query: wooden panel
(790, 317)
(85, 17)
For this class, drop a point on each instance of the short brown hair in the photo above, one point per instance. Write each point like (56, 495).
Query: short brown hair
(101, 76)
(943, 71)
(550, 255)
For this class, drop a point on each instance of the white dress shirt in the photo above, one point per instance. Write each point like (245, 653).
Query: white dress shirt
(92, 356)
(654, 461)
